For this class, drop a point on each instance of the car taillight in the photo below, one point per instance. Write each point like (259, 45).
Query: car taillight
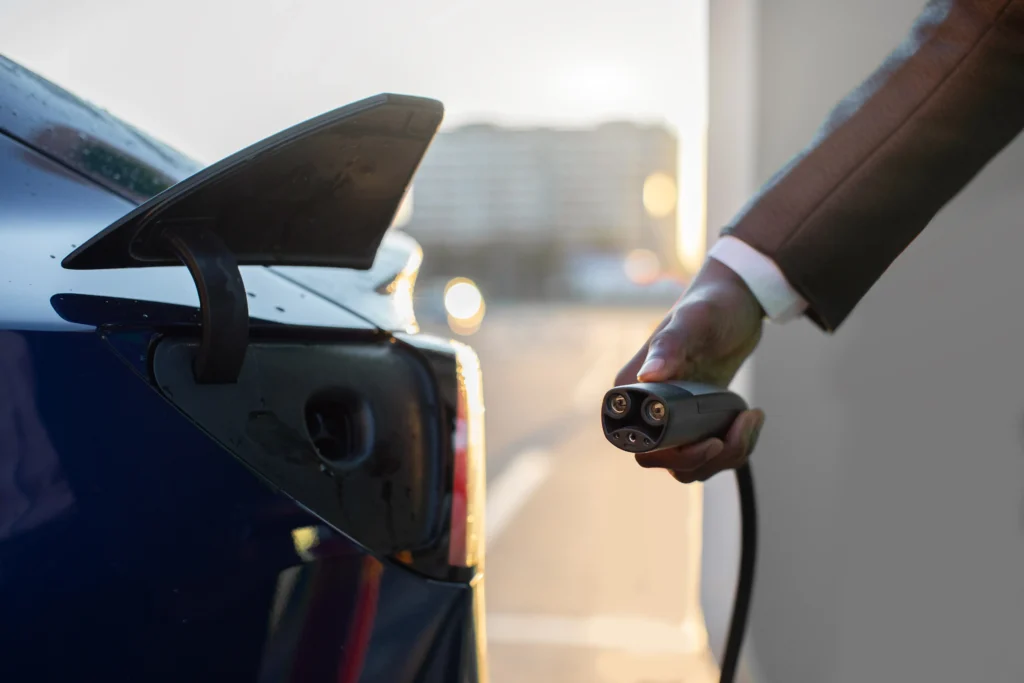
(466, 544)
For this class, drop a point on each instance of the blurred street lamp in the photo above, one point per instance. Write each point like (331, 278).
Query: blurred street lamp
(660, 194)
(465, 306)
(660, 200)
(642, 266)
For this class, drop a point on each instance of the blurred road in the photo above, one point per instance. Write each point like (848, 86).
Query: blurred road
(592, 563)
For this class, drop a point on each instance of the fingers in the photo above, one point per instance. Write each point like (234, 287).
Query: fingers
(701, 461)
(687, 458)
(628, 373)
(665, 354)
(671, 346)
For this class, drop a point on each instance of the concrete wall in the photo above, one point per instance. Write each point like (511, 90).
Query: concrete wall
(891, 467)
(731, 177)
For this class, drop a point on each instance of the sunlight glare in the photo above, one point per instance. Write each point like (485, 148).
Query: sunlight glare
(596, 84)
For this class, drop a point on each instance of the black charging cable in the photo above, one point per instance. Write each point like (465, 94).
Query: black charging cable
(640, 418)
(745, 582)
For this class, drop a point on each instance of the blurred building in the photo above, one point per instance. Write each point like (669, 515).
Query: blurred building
(513, 204)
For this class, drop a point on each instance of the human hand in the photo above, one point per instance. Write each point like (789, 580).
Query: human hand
(707, 335)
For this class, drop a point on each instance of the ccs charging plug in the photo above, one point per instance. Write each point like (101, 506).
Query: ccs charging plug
(655, 416)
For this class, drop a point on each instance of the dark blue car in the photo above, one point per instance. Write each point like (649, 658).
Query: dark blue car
(226, 453)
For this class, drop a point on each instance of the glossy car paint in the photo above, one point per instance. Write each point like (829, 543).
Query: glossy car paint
(132, 546)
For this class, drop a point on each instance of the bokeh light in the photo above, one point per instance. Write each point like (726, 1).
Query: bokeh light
(465, 306)
(642, 266)
(462, 299)
(660, 195)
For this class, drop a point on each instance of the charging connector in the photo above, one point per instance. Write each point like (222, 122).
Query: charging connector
(639, 418)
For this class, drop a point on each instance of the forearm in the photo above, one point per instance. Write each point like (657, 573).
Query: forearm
(892, 154)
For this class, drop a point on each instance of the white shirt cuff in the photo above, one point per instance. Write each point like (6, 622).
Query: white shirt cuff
(779, 300)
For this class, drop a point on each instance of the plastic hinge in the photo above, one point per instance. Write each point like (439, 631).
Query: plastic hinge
(223, 303)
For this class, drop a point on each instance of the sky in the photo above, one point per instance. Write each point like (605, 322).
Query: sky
(212, 76)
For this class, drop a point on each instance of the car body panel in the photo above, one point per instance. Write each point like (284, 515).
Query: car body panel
(133, 546)
(150, 553)
(383, 294)
(85, 138)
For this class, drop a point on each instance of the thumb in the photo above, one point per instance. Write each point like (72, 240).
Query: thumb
(666, 355)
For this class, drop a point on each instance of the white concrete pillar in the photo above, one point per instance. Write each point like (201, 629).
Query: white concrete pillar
(731, 173)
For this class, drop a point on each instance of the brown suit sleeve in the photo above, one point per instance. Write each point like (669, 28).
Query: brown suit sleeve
(892, 154)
